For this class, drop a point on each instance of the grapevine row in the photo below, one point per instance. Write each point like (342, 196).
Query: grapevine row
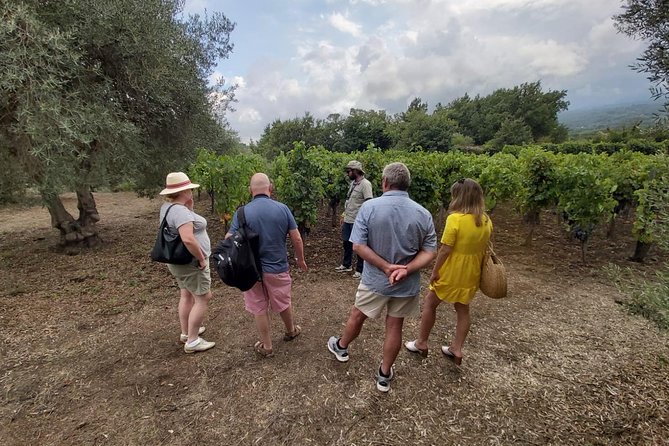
(585, 190)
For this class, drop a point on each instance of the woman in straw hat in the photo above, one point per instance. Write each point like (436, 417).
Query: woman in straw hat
(457, 270)
(194, 279)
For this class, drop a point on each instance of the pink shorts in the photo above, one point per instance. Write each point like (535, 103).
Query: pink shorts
(273, 292)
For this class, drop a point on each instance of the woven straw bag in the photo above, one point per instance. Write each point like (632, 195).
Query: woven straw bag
(493, 275)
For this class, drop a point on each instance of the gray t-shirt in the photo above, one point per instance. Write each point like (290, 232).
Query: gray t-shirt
(395, 227)
(357, 194)
(179, 215)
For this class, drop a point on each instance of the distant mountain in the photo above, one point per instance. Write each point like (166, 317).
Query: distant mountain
(610, 116)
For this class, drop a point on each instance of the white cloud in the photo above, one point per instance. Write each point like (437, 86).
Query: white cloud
(216, 77)
(437, 50)
(239, 81)
(249, 115)
(195, 6)
(603, 37)
(369, 2)
(507, 4)
(549, 58)
(343, 24)
(412, 36)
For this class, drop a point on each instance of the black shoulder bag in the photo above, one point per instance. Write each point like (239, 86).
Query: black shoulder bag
(236, 258)
(169, 248)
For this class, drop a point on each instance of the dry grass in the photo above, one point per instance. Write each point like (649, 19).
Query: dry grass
(90, 354)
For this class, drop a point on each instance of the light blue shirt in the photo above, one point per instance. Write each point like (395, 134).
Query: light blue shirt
(396, 228)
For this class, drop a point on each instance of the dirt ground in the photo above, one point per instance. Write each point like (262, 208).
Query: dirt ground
(90, 351)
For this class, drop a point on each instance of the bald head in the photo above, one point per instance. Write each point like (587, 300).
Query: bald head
(260, 184)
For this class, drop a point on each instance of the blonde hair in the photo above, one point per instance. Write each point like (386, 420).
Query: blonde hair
(171, 197)
(467, 198)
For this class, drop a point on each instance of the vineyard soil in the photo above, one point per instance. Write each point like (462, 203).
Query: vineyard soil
(90, 352)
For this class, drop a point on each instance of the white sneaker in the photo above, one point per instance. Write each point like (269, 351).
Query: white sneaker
(383, 382)
(340, 353)
(201, 346)
(184, 337)
(357, 275)
(343, 269)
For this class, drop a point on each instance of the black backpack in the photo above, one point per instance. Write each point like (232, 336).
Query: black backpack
(236, 258)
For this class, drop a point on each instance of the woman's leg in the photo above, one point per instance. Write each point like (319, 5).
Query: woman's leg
(427, 318)
(185, 305)
(462, 324)
(196, 315)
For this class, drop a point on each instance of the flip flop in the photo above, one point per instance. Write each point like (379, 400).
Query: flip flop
(411, 346)
(457, 360)
(260, 349)
(289, 336)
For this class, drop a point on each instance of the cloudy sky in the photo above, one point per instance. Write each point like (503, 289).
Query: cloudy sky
(329, 56)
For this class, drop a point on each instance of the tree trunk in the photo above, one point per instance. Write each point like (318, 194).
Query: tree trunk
(88, 216)
(584, 250)
(528, 238)
(640, 251)
(332, 207)
(531, 218)
(72, 236)
(212, 199)
(61, 219)
(611, 228)
(304, 230)
(440, 222)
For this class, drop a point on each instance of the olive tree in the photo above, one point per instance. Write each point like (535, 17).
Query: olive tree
(647, 20)
(95, 92)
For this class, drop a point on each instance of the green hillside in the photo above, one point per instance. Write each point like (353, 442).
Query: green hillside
(613, 116)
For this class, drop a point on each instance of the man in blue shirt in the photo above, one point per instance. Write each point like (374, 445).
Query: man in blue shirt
(396, 238)
(272, 221)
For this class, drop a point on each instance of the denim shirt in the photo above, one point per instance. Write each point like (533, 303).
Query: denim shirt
(396, 228)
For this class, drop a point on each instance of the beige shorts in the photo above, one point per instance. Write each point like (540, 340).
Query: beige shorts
(372, 304)
(192, 278)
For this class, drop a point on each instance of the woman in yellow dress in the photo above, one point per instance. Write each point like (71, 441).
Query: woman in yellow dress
(457, 270)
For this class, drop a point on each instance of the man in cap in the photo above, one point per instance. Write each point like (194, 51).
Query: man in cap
(359, 191)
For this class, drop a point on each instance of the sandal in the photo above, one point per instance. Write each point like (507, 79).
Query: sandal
(457, 360)
(289, 336)
(411, 346)
(260, 349)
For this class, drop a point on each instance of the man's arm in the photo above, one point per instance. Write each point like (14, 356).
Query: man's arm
(422, 259)
(298, 246)
(367, 193)
(369, 256)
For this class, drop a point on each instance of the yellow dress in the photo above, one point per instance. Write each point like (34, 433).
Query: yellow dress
(460, 274)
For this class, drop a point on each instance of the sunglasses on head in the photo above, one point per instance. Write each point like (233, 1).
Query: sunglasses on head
(461, 180)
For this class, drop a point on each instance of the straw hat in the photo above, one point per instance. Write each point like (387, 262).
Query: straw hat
(176, 182)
